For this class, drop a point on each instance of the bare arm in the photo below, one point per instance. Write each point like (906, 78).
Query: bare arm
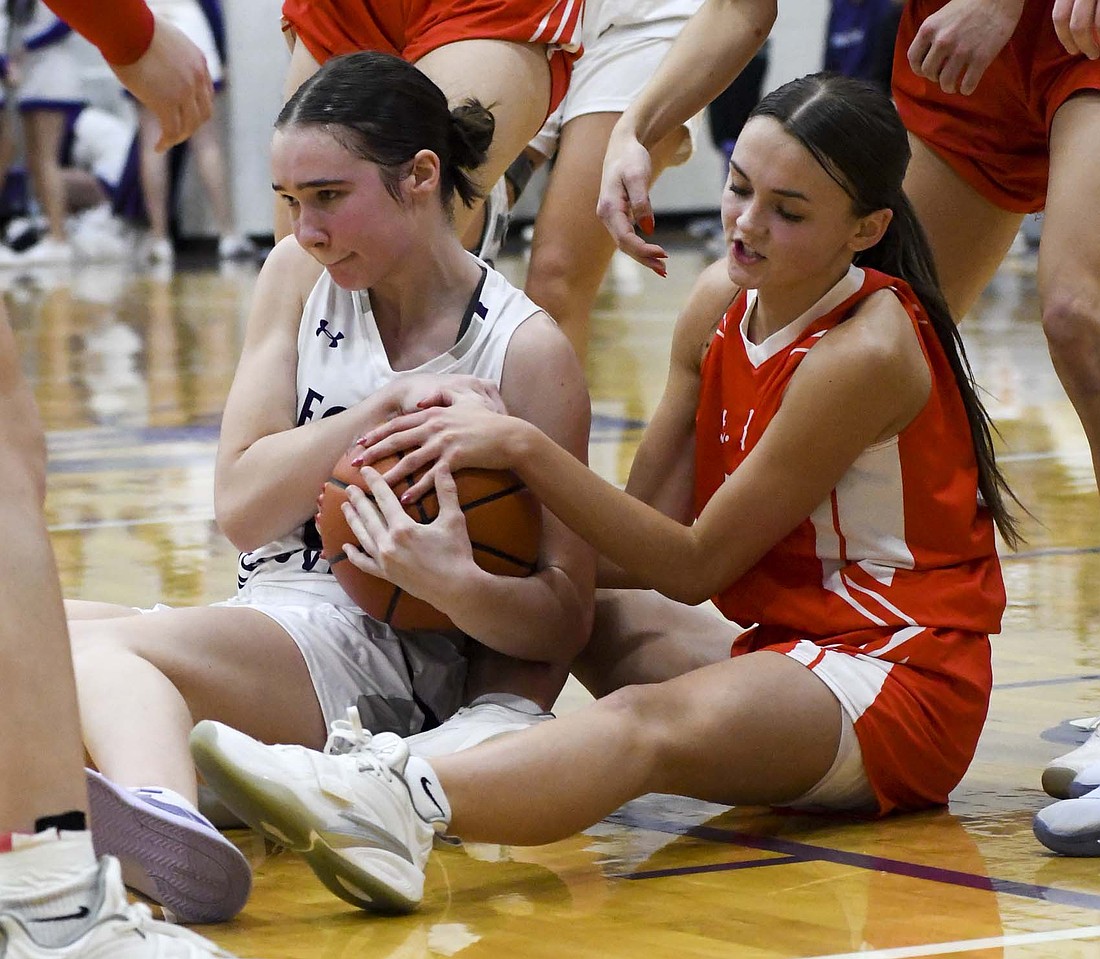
(714, 47)
(543, 384)
(268, 471)
(153, 59)
(545, 617)
(781, 482)
(171, 79)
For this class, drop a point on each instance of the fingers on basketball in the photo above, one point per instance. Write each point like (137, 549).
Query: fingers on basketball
(503, 521)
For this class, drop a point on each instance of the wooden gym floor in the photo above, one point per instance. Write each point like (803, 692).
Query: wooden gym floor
(130, 371)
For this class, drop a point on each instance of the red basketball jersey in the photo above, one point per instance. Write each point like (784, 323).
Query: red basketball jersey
(902, 540)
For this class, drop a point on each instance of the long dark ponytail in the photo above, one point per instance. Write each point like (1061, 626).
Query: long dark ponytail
(854, 132)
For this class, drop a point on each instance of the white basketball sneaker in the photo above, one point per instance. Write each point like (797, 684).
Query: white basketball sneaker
(1071, 827)
(487, 717)
(1060, 773)
(169, 852)
(107, 927)
(352, 816)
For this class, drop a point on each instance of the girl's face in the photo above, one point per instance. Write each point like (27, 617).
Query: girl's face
(340, 210)
(789, 226)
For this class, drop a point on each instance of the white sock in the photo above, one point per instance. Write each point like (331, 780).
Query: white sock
(49, 880)
(429, 800)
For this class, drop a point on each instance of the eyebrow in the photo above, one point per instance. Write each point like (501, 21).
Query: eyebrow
(793, 194)
(310, 184)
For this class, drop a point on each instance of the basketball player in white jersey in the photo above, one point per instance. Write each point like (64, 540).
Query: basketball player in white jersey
(355, 318)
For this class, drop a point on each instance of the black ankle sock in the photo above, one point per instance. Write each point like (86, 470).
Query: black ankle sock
(72, 821)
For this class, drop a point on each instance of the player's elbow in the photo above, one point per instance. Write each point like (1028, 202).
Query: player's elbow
(235, 522)
(695, 575)
(763, 16)
(688, 593)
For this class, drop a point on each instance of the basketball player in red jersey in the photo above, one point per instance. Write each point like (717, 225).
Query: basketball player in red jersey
(56, 900)
(513, 54)
(818, 405)
(1002, 100)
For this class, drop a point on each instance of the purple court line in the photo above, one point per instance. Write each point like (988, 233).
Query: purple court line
(797, 852)
(1057, 681)
(1049, 551)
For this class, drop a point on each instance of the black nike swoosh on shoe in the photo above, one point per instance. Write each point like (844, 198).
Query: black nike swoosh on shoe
(426, 786)
(82, 913)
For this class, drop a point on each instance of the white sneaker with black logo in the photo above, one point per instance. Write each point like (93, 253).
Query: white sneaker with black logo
(351, 816)
(109, 927)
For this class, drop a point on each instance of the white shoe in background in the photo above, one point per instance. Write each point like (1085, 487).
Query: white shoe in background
(47, 252)
(1060, 772)
(233, 246)
(156, 251)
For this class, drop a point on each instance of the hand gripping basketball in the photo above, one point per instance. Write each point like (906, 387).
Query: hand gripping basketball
(503, 521)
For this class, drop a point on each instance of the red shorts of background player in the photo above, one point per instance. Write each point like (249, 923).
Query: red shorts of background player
(996, 139)
(411, 28)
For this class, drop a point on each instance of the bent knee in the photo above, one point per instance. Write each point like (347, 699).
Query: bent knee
(648, 709)
(1071, 324)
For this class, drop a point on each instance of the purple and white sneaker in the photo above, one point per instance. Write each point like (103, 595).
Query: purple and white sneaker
(168, 852)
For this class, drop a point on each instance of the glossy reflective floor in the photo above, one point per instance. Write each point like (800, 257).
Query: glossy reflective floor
(131, 370)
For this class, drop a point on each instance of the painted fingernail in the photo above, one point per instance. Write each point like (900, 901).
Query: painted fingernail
(647, 224)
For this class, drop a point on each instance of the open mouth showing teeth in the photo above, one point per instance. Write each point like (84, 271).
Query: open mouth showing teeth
(745, 251)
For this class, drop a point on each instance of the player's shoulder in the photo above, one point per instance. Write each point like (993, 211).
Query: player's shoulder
(539, 347)
(876, 347)
(879, 330)
(291, 269)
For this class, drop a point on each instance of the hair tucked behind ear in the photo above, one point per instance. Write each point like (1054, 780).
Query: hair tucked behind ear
(855, 133)
(385, 110)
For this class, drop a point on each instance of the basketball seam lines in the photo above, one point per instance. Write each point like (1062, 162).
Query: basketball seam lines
(509, 557)
(518, 488)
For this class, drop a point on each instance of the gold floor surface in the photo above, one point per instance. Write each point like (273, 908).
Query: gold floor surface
(131, 370)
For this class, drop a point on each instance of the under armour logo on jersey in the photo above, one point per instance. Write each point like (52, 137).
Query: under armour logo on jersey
(333, 338)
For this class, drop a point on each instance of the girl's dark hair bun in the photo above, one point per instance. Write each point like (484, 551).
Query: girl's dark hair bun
(472, 127)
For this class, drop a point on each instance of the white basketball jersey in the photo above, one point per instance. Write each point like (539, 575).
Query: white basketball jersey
(341, 361)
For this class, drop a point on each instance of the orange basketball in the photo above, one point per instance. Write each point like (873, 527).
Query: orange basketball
(502, 518)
